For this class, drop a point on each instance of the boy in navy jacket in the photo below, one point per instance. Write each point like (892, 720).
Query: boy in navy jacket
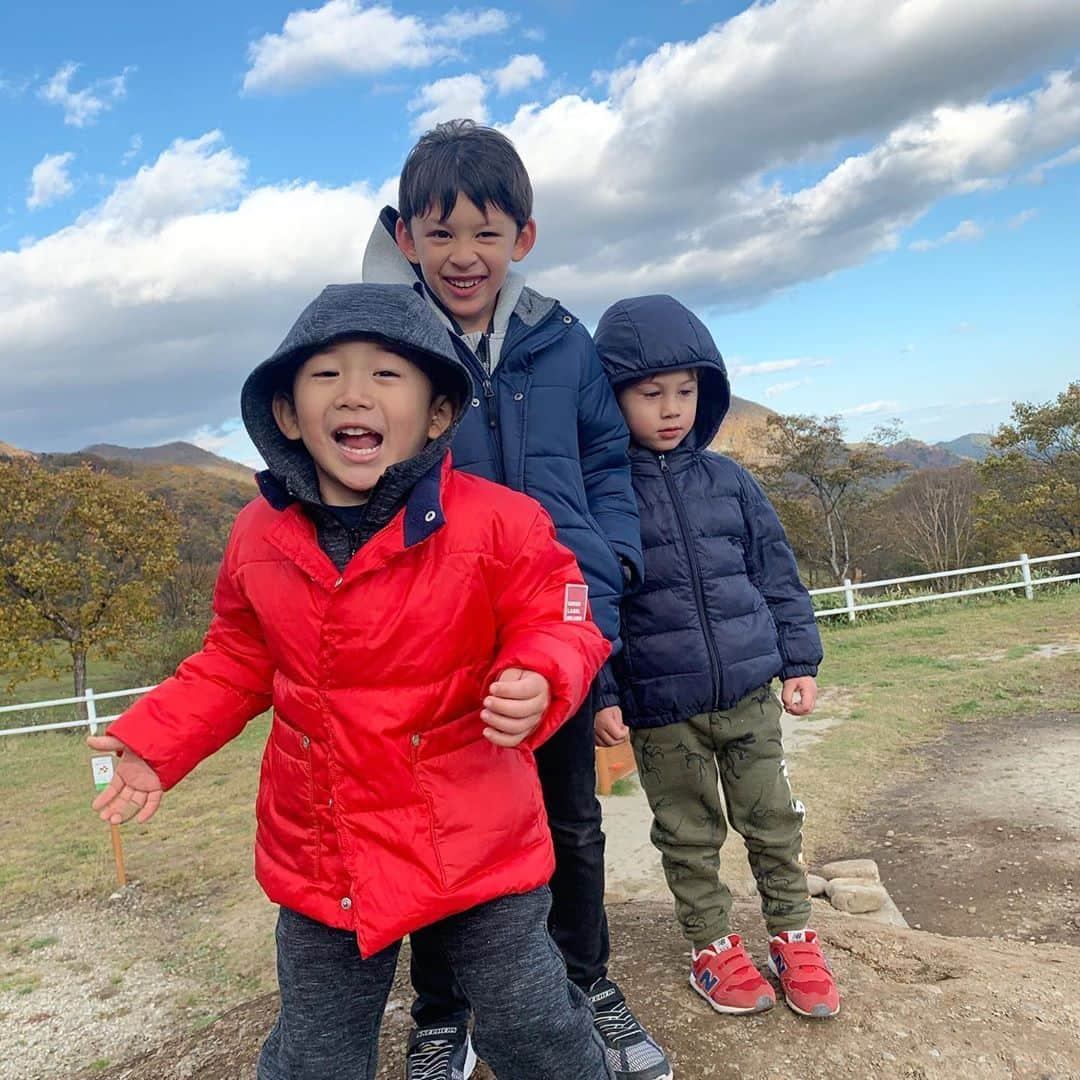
(721, 614)
(544, 421)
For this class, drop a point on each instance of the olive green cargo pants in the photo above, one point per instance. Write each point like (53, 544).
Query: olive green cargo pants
(716, 769)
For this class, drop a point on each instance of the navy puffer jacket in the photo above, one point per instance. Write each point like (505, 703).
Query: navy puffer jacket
(722, 610)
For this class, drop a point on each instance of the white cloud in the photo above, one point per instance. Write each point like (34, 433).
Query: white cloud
(448, 99)
(870, 408)
(345, 37)
(1070, 157)
(769, 367)
(966, 230)
(83, 107)
(133, 151)
(784, 387)
(49, 181)
(671, 179)
(1018, 221)
(518, 73)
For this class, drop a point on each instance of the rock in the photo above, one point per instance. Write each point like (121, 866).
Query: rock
(866, 869)
(816, 885)
(857, 898)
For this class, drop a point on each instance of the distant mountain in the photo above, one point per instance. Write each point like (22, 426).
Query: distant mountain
(9, 451)
(742, 434)
(975, 446)
(174, 453)
(919, 455)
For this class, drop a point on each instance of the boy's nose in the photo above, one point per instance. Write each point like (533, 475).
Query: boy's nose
(462, 256)
(355, 394)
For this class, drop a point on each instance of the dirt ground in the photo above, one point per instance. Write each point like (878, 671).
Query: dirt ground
(985, 842)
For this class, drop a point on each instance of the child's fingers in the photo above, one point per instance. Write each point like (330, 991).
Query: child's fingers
(515, 709)
(104, 742)
(526, 687)
(110, 792)
(153, 801)
(501, 738)
(510, 724)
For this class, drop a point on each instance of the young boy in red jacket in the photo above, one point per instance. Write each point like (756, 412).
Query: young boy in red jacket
(418, 632)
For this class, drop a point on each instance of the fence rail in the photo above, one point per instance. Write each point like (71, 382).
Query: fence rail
(1028, 582)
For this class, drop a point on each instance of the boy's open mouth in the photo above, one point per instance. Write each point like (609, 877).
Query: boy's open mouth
(464, 284)
(358, 440)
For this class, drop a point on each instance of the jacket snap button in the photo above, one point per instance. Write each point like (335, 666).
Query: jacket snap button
(429, 516)
(305, 742)
(416, 740)
(476, 403)
(568, 319)
(337, 584)
(519, 397)
(346, 903)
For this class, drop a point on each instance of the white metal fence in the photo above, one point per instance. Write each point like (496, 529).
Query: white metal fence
(1027, 581)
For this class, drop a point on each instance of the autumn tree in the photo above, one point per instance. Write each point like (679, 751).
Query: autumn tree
(83, 556)
(933, 519)
(810, 463)
(1031, 481)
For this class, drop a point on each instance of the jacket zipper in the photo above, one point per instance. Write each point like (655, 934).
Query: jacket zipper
(695, 573)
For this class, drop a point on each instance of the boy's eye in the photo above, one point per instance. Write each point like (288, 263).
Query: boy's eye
(686, 393)
(388, 373)
(324, 373)
(439, 234)
(650, 393)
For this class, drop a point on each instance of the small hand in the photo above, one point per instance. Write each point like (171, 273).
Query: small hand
(516, 704)
(134, 786)
(805, 687)
(608, 727)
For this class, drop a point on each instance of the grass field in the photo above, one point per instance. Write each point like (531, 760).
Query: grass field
(899, 684)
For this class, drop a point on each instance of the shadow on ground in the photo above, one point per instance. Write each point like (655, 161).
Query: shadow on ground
(916, 1005)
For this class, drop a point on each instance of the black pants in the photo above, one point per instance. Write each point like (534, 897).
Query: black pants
(531, 1024)
(577, 922)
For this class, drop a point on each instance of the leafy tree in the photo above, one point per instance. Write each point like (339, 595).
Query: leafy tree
(932, 517)
(810, 464)
(1031, 496)
(83, 556)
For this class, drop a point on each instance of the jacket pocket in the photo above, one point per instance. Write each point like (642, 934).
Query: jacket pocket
(485, 801)
(288, 829)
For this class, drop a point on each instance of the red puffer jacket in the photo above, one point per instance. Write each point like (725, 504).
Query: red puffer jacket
(381, 806)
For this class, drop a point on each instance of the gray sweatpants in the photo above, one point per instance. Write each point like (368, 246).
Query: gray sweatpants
(532, 1023)
(716, 769)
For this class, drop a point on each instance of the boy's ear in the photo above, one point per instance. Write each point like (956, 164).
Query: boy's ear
(441, 413)
(525, 239)
(405, 241)
(285, 415)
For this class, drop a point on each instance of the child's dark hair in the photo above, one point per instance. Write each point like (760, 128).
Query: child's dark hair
(461, 157)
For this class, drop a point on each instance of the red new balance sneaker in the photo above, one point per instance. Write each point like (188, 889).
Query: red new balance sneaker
(725, 976)
(796, 959)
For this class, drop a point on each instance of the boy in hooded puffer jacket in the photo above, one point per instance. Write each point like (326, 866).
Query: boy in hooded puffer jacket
(721, 614)
(418, 633)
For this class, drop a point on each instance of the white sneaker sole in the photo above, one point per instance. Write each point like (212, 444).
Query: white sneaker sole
(821, 1014)
(764, 1003)
(470, 1057)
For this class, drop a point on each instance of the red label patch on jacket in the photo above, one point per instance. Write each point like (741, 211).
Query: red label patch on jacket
(576, 603)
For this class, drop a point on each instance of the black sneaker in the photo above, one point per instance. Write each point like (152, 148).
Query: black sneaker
(440, 1053)
(631, 1052)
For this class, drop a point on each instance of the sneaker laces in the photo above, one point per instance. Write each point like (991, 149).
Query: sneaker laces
(618, 1024)
(429, 1061)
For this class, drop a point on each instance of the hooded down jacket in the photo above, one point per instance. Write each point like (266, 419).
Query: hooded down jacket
(544, 423)
(722, 610)
(381, 806)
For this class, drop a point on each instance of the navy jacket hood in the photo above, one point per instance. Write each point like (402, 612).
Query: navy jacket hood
(648, 335)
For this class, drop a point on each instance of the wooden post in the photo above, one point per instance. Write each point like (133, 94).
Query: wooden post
(603, 772)
(118, 855)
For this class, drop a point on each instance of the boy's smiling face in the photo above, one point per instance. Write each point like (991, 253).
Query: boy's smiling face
(465, 257)
(360, 408)
(660, 410)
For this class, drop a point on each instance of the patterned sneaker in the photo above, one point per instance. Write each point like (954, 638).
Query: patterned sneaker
(796, 959)
(725, 976)
(631, 1053)
(440, 1053)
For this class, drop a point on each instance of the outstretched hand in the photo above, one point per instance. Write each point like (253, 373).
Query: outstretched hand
(135, 786)
(608, 727)
(515, 706)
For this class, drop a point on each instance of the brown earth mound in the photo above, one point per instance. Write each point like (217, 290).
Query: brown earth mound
(915, 1005)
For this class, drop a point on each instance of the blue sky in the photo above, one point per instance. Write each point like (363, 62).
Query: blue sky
(874, 205)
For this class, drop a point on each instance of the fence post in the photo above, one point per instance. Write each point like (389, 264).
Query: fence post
(849, 597)
(1025, 570)
(91, 711)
